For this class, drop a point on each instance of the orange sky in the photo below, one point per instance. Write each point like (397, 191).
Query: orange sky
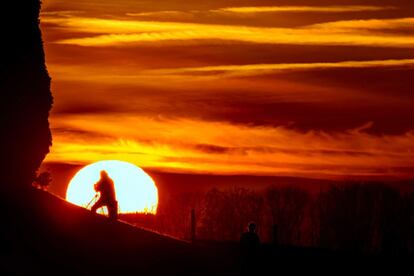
(229, 87)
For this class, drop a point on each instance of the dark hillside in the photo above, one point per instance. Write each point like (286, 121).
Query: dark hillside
(54, 236)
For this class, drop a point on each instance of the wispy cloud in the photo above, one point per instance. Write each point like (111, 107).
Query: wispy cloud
(367, 24)
(216, 77)
(259, 69)
(165, 14)
(254, 11)
(319, 9)
(112, 32)
(167, 88)
(163, 143)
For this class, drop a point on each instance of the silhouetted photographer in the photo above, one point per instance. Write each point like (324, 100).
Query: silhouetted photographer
(105, 187)
(249, 245)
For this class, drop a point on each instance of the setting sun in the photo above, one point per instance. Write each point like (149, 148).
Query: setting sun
(135, 190)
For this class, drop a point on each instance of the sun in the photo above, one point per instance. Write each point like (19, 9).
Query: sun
(135, 190)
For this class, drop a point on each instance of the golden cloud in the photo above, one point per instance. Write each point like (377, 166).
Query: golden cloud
(320, 9)
(259, 69)
(115, 32)
(167, 143)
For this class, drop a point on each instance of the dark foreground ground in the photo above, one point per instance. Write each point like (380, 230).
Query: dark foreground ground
(43, 234)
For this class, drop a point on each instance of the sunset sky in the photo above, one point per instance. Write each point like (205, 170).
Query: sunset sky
(234, 87)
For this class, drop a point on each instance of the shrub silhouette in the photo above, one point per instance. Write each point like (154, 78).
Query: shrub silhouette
(42, 181)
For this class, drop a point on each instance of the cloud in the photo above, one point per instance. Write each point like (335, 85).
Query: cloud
(114, 32)
(292, 9)
(260, 69)
(226, 148)
(368, 24)
(214, 72)
(313, 91)
(236, 14)
(165, 14)
(339, 95)
(213, 149)
(60, 13)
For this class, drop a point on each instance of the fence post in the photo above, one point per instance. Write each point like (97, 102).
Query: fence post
(193, 225)
(274, 235)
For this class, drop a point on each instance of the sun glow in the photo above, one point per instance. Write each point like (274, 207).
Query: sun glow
(135, 190)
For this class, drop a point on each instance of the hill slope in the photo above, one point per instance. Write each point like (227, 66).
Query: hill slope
(47, 234)
(41, 233)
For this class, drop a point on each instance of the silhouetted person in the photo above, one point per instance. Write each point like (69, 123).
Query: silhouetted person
(105, 187)
(249, 245)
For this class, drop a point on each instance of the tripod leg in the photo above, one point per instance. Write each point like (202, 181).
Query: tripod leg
(90, 202)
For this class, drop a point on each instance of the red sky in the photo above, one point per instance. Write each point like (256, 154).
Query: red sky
(234, 87)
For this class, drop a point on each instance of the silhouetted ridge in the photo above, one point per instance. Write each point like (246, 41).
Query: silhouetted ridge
(25, 94)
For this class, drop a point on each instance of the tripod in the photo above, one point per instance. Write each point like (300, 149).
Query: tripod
(92, 200)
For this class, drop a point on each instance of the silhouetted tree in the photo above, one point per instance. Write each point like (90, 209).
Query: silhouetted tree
(392, 221)
(364, 217)
(25, 101)
(25, 98)
(213, 213)
(226, 213)
(174, 214)
(360, 217)
(342, 223)
(287, 208)
(409, 221)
